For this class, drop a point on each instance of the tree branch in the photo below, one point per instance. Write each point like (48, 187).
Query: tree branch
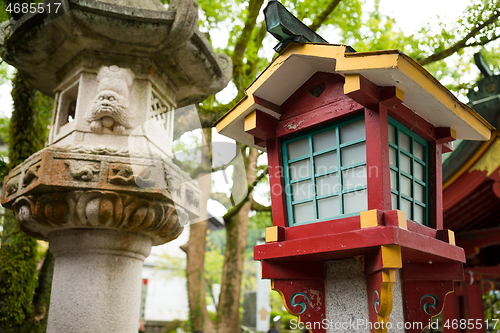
(260, 208)
(222, 198)
(233, 211)
(461, 43)
(253, 61)
(242, 42)
(484, 42)
(321, 18)
(209, 115)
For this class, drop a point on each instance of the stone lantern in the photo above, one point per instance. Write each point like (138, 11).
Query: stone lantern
(354, 143)
(105, 190)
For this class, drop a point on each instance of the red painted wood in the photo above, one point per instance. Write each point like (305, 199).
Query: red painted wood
(425, 271)
(419, 302)
(303, 111)
(413, 121)
(475, 309)
(282, 269)
(374, 290)
(436, 188)
(448, 147)
(265, 103)
(465, 303)
(444, 235)
(462, 187)
(276, 179)
(387, 96)
(302, 101)
(423, 244)
(367, 94)
(315, 229)
(492, 271)
(265, 126)
(480, 210)
(260, 142)
(478, 238)
(330, 245)
(450, 309)
(317, 117)
(294, 293)
(421, 229)
(444, 134)
(495, 175)
(391, 218)
(427, 288)
(374, 262)
(377, 159)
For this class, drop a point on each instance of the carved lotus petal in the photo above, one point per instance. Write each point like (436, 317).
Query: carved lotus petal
(53, 210)
(96, 208)
(135, 213)
(39, 214)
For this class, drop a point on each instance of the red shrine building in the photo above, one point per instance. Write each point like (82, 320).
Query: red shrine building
(471, 205)
(354, 143)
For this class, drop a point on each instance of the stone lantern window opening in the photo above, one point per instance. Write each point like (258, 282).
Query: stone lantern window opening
(66, 108)
(162, 112)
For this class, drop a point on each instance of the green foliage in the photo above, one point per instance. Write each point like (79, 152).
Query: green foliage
(17, 277)
(491, 303)
(171, 327)
(18, 254)
(4, 16)
(448, 53)
(214, 263)
(171, 266)
(4, 76)
(26, 131)
(260, 221)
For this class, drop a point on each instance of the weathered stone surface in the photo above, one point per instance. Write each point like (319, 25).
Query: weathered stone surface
(346, 295)
(104, 104)
(169, 38)
(97, 280)
(98, 187)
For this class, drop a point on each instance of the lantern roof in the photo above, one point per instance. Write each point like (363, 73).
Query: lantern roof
(423, 94)
(42, 45)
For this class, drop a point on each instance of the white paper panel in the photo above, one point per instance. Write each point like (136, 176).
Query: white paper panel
(353, 131)
(352, 178)
(353, 154)
(303, 212)
(329, 207)
(300, 169)
(327, 184)
(325, 140)
(325, 162)
(298, 149)
(355, 202)
(302, 190)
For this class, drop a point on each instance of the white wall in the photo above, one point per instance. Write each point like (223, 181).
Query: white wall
(166, 297)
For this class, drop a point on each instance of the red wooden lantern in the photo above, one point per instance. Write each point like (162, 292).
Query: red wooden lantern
(354, 144)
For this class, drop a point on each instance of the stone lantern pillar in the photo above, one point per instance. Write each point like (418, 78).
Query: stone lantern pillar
(104, 190)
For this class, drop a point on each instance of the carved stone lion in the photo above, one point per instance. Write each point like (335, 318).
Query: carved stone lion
(110, 109)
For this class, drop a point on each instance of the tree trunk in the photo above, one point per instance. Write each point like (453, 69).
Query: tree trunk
(41, 299)
(195, 252)
(228, 320)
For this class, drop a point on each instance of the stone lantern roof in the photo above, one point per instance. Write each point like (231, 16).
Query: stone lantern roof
(136, 29)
